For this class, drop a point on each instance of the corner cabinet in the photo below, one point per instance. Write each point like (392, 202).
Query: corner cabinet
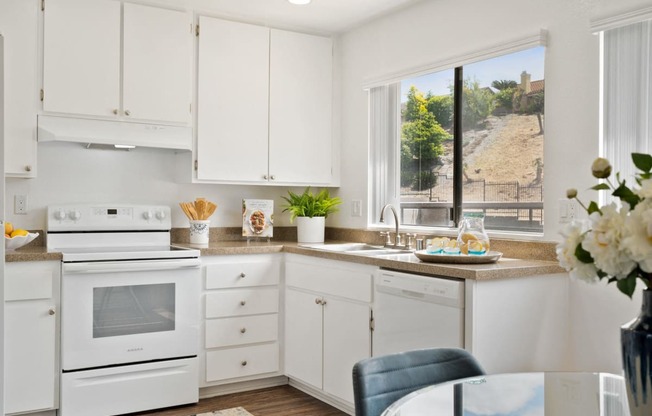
(31, 336)
(19, 27)
(266, 96)
(327, 323)
(240, 320)
(117, 61)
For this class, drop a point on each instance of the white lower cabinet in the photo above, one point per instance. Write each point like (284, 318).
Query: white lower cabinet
(327, 323)
(31, 336)
(241, 318)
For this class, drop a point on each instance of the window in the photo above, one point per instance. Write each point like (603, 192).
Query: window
(469, 138)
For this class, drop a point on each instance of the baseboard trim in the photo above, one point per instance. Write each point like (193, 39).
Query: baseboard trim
(324, 397)
(238, 387)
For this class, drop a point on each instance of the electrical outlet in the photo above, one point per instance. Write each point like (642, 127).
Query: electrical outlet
(568, 210)
(356, 208)
(20, 204)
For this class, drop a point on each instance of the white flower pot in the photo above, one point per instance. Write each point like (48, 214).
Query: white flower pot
(310, 230)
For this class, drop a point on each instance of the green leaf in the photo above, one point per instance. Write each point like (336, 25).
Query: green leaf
(627, 285)
(642, 161)
(310, 205)
(627, 195)
(583, 255)
(593, 207)
(600, 187)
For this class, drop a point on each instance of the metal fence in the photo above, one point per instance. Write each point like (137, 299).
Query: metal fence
(506, 205)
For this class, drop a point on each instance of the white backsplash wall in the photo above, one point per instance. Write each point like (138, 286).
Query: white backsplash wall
(70, 173)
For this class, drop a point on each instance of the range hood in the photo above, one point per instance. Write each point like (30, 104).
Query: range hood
(113, 133)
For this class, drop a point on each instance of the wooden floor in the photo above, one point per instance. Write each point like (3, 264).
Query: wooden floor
(274, 401)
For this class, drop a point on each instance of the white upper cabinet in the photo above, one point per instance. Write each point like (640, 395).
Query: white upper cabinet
(157, 64)
(82, 70)
(300, 102)
(81, 62)
(19, 27)
(264, 99)
(233, 84)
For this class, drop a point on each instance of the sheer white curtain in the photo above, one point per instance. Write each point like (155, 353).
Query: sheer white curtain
(384, 111)
(627, 94)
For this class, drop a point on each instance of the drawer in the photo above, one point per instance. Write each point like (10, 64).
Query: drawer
(29, 285)
(337, 281)
(233, 275)
(239, 302)
(242, 362)
(227, 332)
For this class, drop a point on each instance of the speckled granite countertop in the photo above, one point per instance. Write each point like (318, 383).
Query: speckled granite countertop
(503, 269)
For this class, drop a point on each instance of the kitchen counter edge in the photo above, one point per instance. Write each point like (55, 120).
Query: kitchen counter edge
(505, 268)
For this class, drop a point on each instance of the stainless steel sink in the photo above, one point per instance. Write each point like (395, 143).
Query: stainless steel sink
(360, 249)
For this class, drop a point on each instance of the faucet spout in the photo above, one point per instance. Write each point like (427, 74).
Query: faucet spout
(396, 222)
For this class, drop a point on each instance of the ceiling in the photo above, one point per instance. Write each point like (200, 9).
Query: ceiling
(320, 16)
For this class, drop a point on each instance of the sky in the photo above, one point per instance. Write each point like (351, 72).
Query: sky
(506, 67)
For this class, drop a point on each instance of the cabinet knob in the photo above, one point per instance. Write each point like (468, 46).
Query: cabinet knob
(323, 302)
(243, 275)
(28, 168)
(265, 177)
(243, 330)
(115, 111)
(51, 311)
(127, 113)
(318, 301)
(242, 303)
(273, 177)
(243, 363)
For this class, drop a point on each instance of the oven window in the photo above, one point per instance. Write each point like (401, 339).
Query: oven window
(128, 310)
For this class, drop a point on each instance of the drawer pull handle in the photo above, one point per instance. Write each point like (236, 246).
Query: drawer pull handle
(51, 311)
(243, 363)
(243, 330)
(318, 301)
(323, 302)
(243, 303)
(243, 275)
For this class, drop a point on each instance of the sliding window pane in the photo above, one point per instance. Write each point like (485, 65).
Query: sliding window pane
(503, 136)
(427, 149)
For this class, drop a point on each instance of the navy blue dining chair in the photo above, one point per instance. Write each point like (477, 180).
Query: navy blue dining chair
(380, 381)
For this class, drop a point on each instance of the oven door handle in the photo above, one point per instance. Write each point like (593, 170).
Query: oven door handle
(130, 266)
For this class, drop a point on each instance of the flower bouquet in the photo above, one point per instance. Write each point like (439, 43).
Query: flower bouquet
(616, 244)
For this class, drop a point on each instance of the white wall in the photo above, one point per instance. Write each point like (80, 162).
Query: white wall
(434, 30)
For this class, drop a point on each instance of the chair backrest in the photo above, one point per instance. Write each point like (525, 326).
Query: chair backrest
(380, 381)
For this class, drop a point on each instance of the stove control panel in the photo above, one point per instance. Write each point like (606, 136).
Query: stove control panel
(109, 217)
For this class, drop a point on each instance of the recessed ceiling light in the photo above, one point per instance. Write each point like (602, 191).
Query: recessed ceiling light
(301, 2)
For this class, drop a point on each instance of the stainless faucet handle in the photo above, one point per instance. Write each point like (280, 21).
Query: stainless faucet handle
(399, 240)
(388, 238)
(411, 238)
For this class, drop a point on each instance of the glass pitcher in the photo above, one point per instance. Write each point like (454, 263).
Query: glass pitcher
(472, 238)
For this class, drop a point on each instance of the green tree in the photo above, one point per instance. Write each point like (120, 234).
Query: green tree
(442, 108)
(504, 98)
(415, 100)
(426, 179)
(477, 104)
(504, 84)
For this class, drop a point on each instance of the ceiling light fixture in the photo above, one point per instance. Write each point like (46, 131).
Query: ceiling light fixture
(300, 2)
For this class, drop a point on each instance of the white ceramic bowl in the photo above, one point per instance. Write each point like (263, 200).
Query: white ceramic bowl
(19, 241)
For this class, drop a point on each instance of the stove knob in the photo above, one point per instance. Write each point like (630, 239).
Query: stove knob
(60, 215)
(74, 215)
(147, 215)
(160, 215)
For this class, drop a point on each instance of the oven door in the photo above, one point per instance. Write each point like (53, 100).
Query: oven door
(120, 312)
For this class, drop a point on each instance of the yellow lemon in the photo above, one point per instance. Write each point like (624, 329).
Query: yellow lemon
(9, 227)
(19, 232)
(467, 236)
(476, 246)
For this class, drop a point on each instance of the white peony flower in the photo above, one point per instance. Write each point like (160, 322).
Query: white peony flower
(604, 241)
(638, 240)
(573, 234)
(645, 191)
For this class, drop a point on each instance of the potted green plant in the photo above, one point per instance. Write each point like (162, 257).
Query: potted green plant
(310, 211)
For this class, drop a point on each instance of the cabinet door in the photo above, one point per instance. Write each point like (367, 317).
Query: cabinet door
(30, 336)
(19, 27)
(233, 84)
(81, 57)
(347, 340)
(157, 64)
(303, 337)
(300, 108)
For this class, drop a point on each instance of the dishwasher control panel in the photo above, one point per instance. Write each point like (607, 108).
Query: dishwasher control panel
(430, 288)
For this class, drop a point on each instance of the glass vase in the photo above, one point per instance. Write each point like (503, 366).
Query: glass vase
(472, 238)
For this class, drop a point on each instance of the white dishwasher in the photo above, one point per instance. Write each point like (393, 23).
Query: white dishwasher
(413, 311)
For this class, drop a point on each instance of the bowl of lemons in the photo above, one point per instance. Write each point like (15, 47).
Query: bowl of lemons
(17, 237)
